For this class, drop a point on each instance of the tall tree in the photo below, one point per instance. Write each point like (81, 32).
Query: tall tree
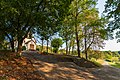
(76, 9)
(19, 18)
(67, 31)
(112, 8)
(53, 13)
(93, 28)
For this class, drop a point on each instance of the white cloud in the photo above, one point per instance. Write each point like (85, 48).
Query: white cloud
(111, 45)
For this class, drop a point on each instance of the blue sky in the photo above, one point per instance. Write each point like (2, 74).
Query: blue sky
(110, 44)
(100, 6)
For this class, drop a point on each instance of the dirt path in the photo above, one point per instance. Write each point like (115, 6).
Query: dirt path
(51, 70)
(105, 63)
(107, 72)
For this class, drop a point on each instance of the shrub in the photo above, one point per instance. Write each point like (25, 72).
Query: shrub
(45, 52)
(23, 48)
(55, 50)
(37, 49)
(114, 59)
(93, 59)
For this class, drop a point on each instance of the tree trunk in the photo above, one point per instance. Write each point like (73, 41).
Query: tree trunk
(51, 49)
(42, 46)
(85, 41)
(72, 49)
(11, 41)
(86, 49)
(69, 47)
(76, 32)
(12, 46)
(66, 47)
(47, 45)
(77, 40)
(19, 50)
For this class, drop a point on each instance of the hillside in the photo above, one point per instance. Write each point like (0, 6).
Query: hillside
(34, 66)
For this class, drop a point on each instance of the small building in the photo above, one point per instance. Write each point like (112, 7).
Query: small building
(30, 44)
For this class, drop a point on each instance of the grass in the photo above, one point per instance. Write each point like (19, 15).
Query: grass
(117, 65)
(101, 61)
(98, 64)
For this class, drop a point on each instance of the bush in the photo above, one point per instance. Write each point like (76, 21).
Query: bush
(114, 59)
(93, 59)
(97, 64)
(23, 48)
(108, 56)
(37, 49)
(55, 50)
(45, 52)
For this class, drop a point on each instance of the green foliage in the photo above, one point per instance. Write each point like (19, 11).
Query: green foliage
(62, 51)
(37, 49)
(19, 17)
(95, 54)
(117, 65)
(55, 50)
(114, 59)
(108, 56)
(44, 52)
(112, 8)
(23, 48)
(56, 43)
(96, 63)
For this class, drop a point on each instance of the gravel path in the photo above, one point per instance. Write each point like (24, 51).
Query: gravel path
(46, 66)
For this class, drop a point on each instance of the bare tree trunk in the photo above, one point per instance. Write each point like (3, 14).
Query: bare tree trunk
(12, 46)
(85, 41)
(77, 40)
(85, 48)
(11, 41)
(19, 50)
(42, 46)
(66, 47)
(69, 48)
(47, 45)
(72, 49)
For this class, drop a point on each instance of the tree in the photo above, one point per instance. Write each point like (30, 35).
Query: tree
(67, 31)
(56, 43)
(53, 13)
(93, 29)
(77, 8)
(112, 8)
(19, 18)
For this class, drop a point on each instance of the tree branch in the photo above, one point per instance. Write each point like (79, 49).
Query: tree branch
(39, 5)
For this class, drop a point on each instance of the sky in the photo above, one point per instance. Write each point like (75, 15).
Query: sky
(111, 45)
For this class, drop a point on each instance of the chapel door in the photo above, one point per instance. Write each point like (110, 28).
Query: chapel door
(31, 46)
